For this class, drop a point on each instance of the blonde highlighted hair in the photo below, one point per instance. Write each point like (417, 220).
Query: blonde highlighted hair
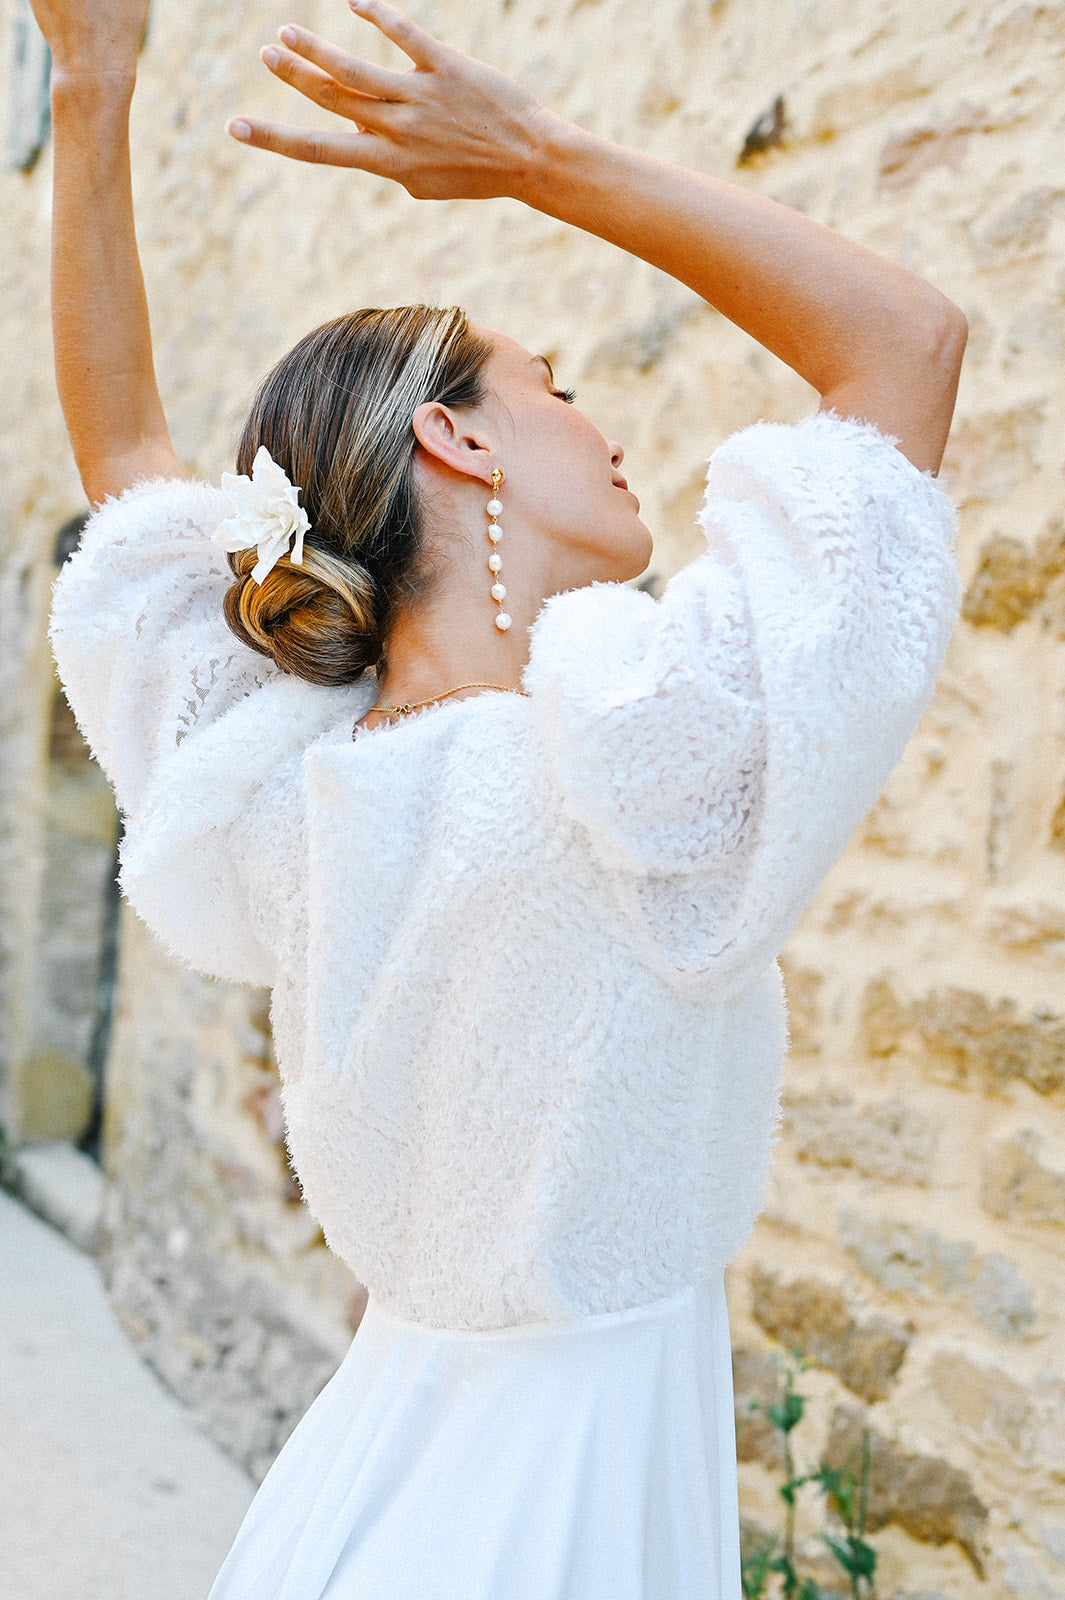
(336, 413)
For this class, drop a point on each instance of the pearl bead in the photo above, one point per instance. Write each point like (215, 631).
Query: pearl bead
(498, 592)
(495, 532)
(494, 507)
(495, 561)
(502, 622)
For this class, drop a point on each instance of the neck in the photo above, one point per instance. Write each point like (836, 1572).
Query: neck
(448, 636)
(443, 643)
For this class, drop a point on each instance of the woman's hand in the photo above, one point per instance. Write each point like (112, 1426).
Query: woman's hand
(448, 128)
(874, 339)
(94, 38)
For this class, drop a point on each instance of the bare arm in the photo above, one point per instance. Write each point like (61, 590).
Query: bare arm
(103, 352)
(874, 339)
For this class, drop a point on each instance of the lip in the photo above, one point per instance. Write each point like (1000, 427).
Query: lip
(619, 483)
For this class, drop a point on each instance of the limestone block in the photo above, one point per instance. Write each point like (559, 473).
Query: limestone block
(1021, 228)
(1024, 1579)
(990, 454)
(1005, 588)
(927, 1496)
(888, 1139)
(1000, 1414)
(757, 1383)
(967, 1034)
(813, 1316)
(1039, 328)
(1011, 580)
(1035, 927)
(1011, 27)
(802, 986)
(219, 1336)
(942, 142)
(1018, 1185)
(918, 1261)
(1052, 1538)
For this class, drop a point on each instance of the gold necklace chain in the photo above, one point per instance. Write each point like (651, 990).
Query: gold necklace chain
(409, 706)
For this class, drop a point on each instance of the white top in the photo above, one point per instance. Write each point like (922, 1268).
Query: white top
(526, 1004)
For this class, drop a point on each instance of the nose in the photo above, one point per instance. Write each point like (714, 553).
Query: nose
(617, 454)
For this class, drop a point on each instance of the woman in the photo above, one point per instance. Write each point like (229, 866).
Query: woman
(515, 845)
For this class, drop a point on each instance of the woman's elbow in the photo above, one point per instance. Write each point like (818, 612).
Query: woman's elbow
(944, 339)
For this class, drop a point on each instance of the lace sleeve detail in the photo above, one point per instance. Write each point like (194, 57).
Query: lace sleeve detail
(719, 747)
(140, 640)
(200, 736)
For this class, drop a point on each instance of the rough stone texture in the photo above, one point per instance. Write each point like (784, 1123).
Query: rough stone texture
(927, 974)
(1011, 580)
(1024, 1579)
(813, 1316)
(996, 1411)
(943, 142)
(215, 1267)
(803, 990)
(969, 1035)
(1018, 1186)
(921, 1263)
(927, 1496)
(879, 1139)
(757, 1383)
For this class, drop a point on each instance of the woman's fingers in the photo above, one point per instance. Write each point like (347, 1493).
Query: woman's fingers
(423, 49)
(347, 69)
(323, 89)
(339, 147)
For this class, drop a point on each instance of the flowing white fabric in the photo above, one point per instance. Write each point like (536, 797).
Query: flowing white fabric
(592, 1460)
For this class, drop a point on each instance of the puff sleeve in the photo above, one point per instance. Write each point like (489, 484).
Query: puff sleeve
(193, 729)
(717, 748)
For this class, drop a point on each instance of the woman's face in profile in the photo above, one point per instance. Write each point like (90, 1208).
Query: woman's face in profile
(562, 475)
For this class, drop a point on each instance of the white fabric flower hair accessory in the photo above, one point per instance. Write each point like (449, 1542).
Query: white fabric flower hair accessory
(268, 515)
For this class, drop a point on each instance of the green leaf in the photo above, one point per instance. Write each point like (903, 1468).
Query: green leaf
(756, 1558)
(787, 1413)
(855, 1556)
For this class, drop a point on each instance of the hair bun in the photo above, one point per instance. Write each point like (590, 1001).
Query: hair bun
(319, 620)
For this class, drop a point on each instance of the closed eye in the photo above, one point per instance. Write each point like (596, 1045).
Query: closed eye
(568, 395)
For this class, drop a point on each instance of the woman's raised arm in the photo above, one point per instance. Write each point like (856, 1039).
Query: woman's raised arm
(103, 350)
(873, 338)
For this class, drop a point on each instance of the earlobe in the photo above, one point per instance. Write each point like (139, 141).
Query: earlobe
(451, 440)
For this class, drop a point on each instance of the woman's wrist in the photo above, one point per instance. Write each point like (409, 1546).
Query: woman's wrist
(87, 90)
(558, 150)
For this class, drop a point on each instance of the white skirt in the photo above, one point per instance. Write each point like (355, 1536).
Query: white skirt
(587, 1460)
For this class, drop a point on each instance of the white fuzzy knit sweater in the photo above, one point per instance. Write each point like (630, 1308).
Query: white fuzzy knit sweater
(526, 1002)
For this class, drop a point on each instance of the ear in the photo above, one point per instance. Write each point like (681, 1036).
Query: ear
(454, 440)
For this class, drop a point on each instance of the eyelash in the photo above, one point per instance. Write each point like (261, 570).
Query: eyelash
(568, 395)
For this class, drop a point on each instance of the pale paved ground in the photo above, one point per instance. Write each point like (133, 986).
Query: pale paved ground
(107, 1492)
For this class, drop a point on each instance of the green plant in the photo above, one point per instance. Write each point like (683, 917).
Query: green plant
(769, 1562)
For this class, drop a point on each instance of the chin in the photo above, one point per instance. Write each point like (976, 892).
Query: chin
(638, 556)
(625, 556)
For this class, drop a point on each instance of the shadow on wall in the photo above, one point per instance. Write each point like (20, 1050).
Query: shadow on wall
(76, 929)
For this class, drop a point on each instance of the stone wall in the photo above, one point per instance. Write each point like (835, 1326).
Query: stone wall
(915, 1228)
(215, 1266)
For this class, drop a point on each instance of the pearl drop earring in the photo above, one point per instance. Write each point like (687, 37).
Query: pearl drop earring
(495, 560)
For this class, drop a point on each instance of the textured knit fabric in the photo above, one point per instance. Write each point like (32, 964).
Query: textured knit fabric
(526, 1004)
